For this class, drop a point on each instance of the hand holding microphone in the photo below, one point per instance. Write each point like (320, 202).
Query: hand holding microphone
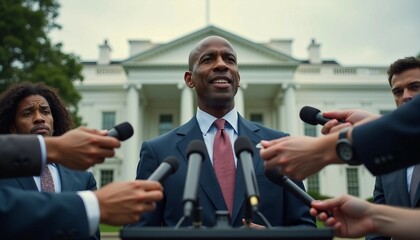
(274, 175)
(82, 147)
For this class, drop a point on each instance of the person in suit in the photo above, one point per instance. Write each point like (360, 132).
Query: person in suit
(66, 215)
(381, 143)
(213, 73)
(393, 188)
(27, 108)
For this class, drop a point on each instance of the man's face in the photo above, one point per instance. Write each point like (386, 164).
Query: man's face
(405, 85)
(214, 74)
(33, 116)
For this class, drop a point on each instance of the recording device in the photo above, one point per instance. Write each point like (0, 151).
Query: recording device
(313, 116)
(122, 131)
(166, 168)
(244, 152)
(274, 175)
(196, 153)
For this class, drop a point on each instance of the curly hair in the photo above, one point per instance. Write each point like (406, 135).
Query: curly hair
(15, 93)
(402, 65)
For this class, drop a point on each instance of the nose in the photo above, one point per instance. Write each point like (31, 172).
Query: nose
(220, 64)
(38, 117)
(407, 95)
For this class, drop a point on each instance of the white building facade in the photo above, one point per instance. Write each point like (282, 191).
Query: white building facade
(148, 90)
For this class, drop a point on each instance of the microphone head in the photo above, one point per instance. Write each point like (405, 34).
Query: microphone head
(243, 144)
(273, 175)
(173, 162)
(308, 115)
(197, 146)
(124, 130)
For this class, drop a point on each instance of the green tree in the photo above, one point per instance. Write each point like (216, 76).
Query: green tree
(27, 53)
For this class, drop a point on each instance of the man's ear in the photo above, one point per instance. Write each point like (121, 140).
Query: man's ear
(13, 129)
(188, 80)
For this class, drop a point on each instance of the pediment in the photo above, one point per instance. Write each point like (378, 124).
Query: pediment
(176, 52)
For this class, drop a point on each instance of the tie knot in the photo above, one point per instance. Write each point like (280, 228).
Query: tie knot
(220, 123)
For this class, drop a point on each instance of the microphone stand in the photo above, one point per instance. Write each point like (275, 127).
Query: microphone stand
(247, 213)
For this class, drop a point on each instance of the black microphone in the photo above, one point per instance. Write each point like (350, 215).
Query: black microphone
(274, 175)
(196, 153)
(122, 131)
(244, 152)
(313, 116)
(166, 168)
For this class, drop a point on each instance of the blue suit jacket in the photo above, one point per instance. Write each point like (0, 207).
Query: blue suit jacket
(71, 180)
(279, 207)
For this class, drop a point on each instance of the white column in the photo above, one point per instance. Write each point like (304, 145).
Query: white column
(132, 145)
(187, 103)
(291, 115)
(239, 100)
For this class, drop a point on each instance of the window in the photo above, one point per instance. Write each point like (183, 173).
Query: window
(165, 123)
(107, 176)
(256, 118)
(352, 181)
(313, 183)
(108, 120)
(310, 130)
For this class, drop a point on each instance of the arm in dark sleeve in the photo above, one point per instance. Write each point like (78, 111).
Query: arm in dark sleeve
(35, 215)
(20, 156)
(390, 142)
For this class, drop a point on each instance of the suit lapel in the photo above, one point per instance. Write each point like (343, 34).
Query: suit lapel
(27, 183)
(208, 181)
(66, 178)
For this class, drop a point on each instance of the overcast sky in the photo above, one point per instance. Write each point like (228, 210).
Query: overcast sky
(353, 32)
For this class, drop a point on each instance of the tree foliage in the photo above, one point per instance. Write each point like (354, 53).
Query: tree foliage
(27, 53)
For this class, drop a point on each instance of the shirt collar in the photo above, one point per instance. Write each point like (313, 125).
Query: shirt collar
(205, 120)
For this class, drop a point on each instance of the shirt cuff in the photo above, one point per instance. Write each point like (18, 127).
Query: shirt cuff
(92, 210)
(43, 152)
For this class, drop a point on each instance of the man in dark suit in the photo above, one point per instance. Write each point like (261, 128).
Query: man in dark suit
(393, 188)
(213, 73)
(67, 215)
(27, 108)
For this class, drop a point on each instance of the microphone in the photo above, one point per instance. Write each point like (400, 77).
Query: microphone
(274, 175)
(196, 153)
(122, 131)
(244, 152)
(166, 168)
(313, 116)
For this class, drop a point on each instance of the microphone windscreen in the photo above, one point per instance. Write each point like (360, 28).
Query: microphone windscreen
(243, 144)
(173, 162)
(274, 175)
(125, 131)
(197, 146)
(308, 115)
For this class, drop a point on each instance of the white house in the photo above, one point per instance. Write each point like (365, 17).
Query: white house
(147, 89)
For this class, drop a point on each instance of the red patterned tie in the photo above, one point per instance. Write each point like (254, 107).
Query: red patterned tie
(224, 163)
(47, 183)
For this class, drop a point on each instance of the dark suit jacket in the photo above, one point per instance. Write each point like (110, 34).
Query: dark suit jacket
(35, 215)
(280, 207)
(20, 156)
(71, 180)
(391, 142)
